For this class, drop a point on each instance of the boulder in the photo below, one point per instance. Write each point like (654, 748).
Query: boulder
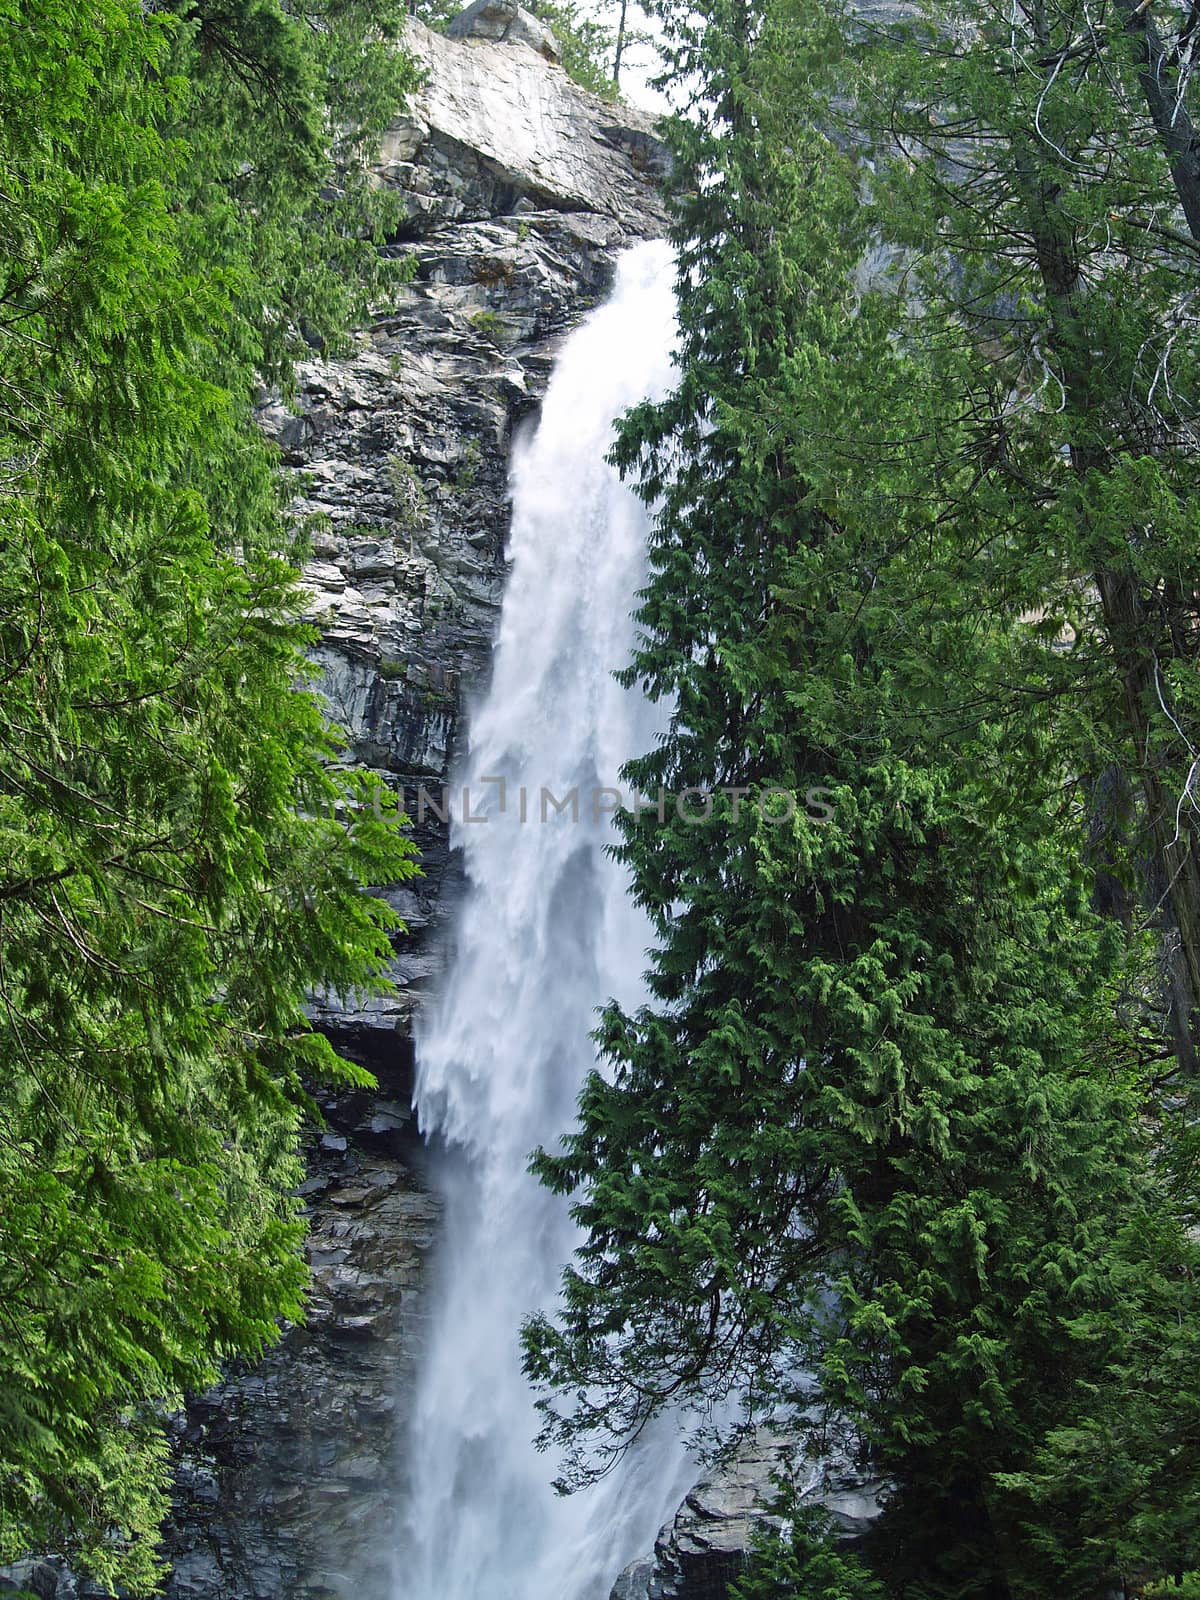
(494, 126)
(504, 22)
(705, 1546)
(49, 1579)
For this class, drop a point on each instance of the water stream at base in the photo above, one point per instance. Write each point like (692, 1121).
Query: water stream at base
(546, 933)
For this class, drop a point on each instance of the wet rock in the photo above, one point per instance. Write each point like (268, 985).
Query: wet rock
(497, 125)
(520, 188)
(705, 1546)
(284, 1472)
(39, 1578)
(634, 1582)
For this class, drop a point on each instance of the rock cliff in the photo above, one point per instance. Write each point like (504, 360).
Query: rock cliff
(519, 189)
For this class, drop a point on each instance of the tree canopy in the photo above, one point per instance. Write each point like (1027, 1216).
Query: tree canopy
(904, 1135)
(185, 210)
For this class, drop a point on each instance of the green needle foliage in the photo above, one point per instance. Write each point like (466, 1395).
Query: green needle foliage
(800, 1557)
(181, 860)
(887, 1140)
(1034, 155)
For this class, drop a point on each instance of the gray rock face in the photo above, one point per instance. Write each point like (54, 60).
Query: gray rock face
(520, 189)
(704, 1547)
(284, 1471)
(503, 22)
(48, 1580)
(497, 126)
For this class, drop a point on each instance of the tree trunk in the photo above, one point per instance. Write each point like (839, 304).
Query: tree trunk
(620, 51)
(1133, 633)
(1164, 99)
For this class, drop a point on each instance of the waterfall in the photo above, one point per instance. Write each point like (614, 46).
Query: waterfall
(546, 933)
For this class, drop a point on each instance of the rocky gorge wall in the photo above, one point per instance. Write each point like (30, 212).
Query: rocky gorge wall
(520, 188)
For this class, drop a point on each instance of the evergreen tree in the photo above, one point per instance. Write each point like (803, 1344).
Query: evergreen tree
(799, 1556)
(1037, 153)
(183, 859)
(864, 1144)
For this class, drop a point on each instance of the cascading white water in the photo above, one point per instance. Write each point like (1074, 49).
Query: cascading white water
(546, 933)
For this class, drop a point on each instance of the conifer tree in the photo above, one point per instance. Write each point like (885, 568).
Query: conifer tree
(182, 860)
(1039, 156)
(861, 1148)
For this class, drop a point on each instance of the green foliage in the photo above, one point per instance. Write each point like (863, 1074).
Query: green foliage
(1063, 326)
(285, 107)
(411, 509)
(490, 324)
(468, 466)
(801, 1560)
(182, 865)
(879, 1140)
